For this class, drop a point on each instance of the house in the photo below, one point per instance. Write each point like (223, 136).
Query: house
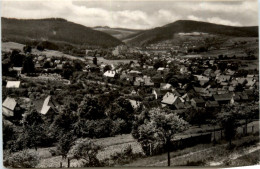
(148, 81)
(183, 70)
(217, 73)
(223, 98)
(135, 72)
(211, 104)
(159, 93)
(160, 69)
(59, 66)
(234, 83)
(223, 78)
(241, 80)
(250, 82)
(171, 99)
(127, 77)
(49, 107)
(197, 102)
(110, 73)
(208, 72)
(134, 65)
(9, 107)
(139, 81)
(165, 86)
(13, 84)
(201, 79)
(18, 70)
(133, 92)
(230, 72)
(135, 104)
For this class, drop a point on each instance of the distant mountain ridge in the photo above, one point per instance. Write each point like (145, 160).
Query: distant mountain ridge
(54, 30)
(186, 26)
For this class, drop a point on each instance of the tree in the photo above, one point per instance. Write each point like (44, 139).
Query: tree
(16, 58)
(107, 67)
(78, 65)
(91, 109)
(122, 109)
(160, 128)
(8, 135)
(64, 144)
(47, 64)
(33, 131)
(64, 121)
(197, 116)
(229, 123)
(27, 49)
(246, 112)
(159, 63)
(85, 149)
(95, 60)
(28, 65)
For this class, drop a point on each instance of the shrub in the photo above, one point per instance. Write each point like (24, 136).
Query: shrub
(124, 157)
(22, 159)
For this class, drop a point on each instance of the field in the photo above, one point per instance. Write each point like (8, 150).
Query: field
(110, 146)
(9, 46)
(205, 155)
(114, 62)
(118, 143)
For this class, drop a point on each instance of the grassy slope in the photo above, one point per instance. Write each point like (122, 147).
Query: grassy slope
(54, 30)
(167, 31)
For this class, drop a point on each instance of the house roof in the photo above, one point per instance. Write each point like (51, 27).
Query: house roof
(241, 80)
(198, 100)
(135, 104)
(165, 86)
(148, 81)
(13, 84)
(169, 98)
(223, 78)
(211, 104)
(222, 97)
(17, 68)
(9, 103)
(45, 106)
(242, 95)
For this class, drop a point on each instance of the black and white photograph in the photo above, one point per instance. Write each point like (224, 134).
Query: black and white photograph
(130, 83)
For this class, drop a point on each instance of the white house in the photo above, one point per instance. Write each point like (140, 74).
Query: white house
(110, 73)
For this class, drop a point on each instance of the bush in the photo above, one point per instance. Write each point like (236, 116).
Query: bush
(22, 159)
(124, 157)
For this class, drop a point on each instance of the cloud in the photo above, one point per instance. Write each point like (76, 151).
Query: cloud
(134, 14)
(216, 20)
(223, 21)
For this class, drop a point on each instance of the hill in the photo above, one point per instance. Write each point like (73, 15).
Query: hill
(54, 30)
(167, 32)
(119, 33)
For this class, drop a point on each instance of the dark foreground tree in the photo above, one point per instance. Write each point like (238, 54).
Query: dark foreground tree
(228, 122)
(28, 65)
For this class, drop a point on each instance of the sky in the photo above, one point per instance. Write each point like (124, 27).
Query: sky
(134, 14)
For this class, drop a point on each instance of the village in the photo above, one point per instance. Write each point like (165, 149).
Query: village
(196, 87)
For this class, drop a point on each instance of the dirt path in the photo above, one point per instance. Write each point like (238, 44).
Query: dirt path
(177, 160)
(181, 160)
(235, 155)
